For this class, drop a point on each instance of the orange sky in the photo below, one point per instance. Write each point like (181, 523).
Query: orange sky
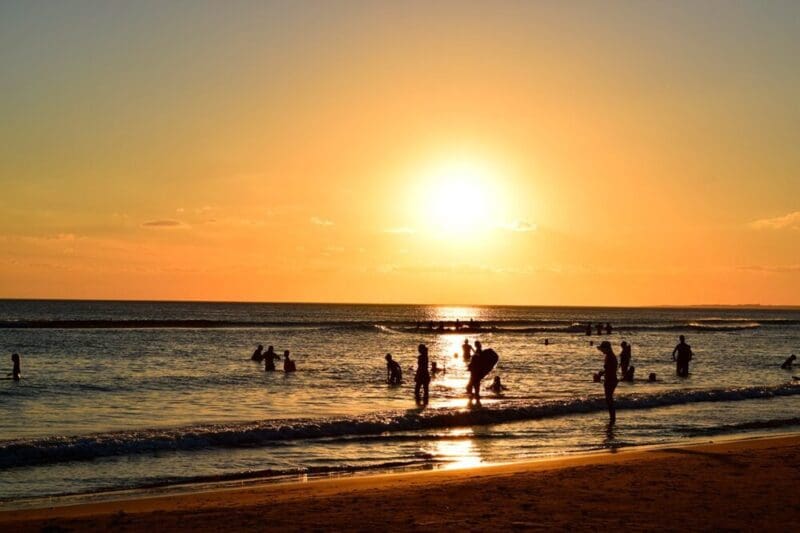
(593, 154)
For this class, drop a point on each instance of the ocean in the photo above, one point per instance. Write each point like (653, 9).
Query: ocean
(137, 395)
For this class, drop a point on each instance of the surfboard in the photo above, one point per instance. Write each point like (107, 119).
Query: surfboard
(482, 364)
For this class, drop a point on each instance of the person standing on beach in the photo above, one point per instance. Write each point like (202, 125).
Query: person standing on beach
(15, 371)
(682, 354)
(610, 380)
(422, 378)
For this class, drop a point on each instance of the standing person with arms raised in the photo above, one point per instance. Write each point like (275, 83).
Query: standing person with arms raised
(422, 378)
(682, 354)
(610, 380)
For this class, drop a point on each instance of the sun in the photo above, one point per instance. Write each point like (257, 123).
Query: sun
(458, 198)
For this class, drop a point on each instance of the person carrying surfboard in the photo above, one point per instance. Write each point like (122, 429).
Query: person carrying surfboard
(479, 367)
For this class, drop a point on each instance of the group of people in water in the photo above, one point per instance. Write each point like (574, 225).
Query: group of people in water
(269, 357)
(479, 363)
(682, 354)
(471, 325)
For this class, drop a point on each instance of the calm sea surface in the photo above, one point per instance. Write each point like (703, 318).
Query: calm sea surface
(122, 395)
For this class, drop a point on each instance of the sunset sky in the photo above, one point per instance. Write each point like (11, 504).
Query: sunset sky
(609, 153)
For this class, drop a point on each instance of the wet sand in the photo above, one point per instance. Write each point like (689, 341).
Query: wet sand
(744, 484)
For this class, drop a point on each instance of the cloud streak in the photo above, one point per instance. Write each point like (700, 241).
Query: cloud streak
(317, 221)
(788, 221)
(163, 223)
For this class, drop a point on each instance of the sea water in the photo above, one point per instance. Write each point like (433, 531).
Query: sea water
(119, 395)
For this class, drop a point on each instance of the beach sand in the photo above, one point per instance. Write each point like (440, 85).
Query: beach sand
(744, 484)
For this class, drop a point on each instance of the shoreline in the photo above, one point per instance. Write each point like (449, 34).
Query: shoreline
(255, 480)
(713, 461)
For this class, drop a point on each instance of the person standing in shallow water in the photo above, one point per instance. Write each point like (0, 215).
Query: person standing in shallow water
(682, 354)
(610, 380)
(15, 371)
(288, 364)
(624, 359)
(269, 359)
(258, 355)
(422, 378)
(466, 350)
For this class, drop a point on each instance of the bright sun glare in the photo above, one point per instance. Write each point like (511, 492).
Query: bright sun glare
(459, 198)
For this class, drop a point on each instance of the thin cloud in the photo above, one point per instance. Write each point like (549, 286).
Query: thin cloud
(788, 221)
(317, 221)
(774, 269)
(163, 223)
(519, 226)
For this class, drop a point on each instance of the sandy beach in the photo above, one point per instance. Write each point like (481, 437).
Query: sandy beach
(743, 484)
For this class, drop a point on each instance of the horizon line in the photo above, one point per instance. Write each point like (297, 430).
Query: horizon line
(309, 302)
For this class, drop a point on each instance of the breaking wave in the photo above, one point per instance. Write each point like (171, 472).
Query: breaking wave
(49, 450)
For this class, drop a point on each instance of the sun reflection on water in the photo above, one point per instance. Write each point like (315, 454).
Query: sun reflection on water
(458, 453)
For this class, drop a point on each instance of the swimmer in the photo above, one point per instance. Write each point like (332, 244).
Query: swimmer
(288, 364)
(787, 365)
(394, 374)
(497, 387)
(258, 355)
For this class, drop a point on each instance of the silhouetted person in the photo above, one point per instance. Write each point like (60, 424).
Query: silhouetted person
(628, 374)
(609, 329)
(430, 325)
(588, 330)
(497, 387)
(435, 369)
(624, 358)
(599, 328)
(394, 374)
(15, 371)
(682, 354)
(422, 379)
(482, 363)
(466, 350)
(652, 377)
(269, 359)
(609, 374)
(458, 324)
(288, 364)
(546, 342)
(258, 355)
(787, 365)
